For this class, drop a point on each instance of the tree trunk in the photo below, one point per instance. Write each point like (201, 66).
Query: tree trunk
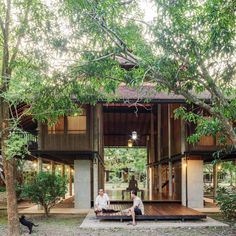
(8, 165)
(46, 211)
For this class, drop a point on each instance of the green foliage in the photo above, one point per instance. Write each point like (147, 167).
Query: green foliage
(17, 144)
(120, 159)
(2, 189)
(226, 200)
(204, 125)
(46, 190)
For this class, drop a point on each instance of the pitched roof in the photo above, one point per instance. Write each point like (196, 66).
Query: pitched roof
(148, 92)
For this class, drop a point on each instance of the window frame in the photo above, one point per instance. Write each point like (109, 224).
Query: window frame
(65, 131)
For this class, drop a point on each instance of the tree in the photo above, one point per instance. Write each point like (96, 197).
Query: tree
(33, 36)
(46, 189)
(229, 167)
(226, 200)
(120, 159)
(190, 52)
(15, 33)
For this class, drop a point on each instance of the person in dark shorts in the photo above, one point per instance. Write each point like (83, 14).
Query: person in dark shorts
(137, 208)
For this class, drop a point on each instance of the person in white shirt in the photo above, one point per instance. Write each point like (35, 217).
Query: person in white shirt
(102, 201)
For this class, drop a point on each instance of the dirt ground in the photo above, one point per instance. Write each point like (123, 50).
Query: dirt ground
(69, 226)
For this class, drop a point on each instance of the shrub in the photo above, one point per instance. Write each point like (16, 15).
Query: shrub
(226, 200)
(46, 189)
(2, 189)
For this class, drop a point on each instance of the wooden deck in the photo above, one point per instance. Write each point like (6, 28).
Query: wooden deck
(155, 211)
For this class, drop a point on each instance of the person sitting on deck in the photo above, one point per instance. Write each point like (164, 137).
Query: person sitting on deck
(133, 184)
(137, 208)
(102, 201)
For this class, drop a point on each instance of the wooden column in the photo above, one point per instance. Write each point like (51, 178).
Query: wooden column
(63, 170)
(148, 161)
(182, 136)
(70, 181)
(169, 150)
(63, 174)
(152, 139)
(40, 136)
(40, 169)
(53, 167)
(96, 149)
(152, 153)
(159, 147)
(215, 180)
(184, 168)
(40, 164)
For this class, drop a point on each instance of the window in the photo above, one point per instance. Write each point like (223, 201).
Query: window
(58, 128)
(75, 124)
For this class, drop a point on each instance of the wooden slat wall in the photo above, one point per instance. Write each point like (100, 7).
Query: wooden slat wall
(67, 142)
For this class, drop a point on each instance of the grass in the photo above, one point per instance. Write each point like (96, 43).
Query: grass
(60, 220)
(68, 220)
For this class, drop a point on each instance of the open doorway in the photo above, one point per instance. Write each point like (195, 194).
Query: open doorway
(125, 169)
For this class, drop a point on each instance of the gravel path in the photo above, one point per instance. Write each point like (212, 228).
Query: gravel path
(69, 226)
(75, 230)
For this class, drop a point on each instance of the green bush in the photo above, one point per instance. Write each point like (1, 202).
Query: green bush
(46, 190)
(2, 189)
(226, 200)
(19, 189)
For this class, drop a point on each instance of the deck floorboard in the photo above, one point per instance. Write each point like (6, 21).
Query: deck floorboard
(155, 211)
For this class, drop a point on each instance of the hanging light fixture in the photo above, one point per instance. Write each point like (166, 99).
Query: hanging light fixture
(130, 143)
(134, 135)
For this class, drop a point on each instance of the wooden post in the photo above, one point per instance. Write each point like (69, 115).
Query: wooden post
(70, 181)
(63, 170)
(182, 137)
(169, 150)
(53, 167)
(95, 179)
(40, 164)
(215, 180)
(63, 174)
(184, 168)
(152, 153)
(148, 161)
(152, 138)
(40, 136)
(40, 169)
(159, 147)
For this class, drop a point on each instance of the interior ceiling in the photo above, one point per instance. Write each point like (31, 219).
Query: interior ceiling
(120, 120)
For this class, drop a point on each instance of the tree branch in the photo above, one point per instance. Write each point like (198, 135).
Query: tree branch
(2, 25)
(21, 34)
(126, 2)
(210, 81)
(114, 37)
